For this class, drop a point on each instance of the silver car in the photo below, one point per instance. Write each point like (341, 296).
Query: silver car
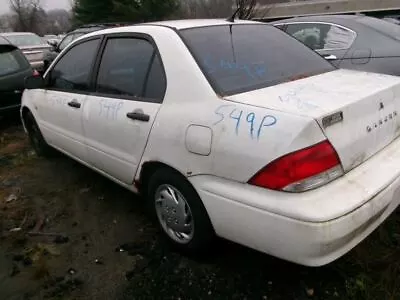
(31, 45)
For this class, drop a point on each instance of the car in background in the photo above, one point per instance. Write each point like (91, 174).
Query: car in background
(392, 19)
(14, 68)
(349, 41)
(227, 128)
(31, 45)
(51, 39)
(57, 47)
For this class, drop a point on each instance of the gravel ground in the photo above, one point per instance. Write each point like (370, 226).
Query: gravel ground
(68, 233)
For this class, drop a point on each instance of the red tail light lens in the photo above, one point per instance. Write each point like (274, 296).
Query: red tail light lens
(35, 73)
(301, 170)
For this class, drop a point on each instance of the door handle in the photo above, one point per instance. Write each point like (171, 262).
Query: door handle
(74, 104)
(330, 57)
(139, 115)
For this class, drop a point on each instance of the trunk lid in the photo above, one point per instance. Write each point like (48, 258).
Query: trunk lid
(368, 103)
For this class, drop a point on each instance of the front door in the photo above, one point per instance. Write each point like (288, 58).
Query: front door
(60, 110)
(118, 117)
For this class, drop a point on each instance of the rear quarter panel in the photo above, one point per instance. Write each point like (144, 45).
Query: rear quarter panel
(244, 138)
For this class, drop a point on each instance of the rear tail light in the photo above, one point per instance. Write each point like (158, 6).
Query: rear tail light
(302, 170)
(35, 73)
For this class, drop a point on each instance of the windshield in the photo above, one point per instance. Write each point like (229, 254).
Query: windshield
(11, 61)
(69, 39)
(25, 40)
(241, 57)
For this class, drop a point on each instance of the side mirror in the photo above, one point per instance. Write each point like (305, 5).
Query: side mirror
(34, 82)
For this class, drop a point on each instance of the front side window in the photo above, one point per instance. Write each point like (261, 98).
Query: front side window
(130, 67)
(319, 36)
(72, 71)
(242, 57)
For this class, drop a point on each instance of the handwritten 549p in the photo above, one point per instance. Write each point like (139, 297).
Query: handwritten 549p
(254, 123)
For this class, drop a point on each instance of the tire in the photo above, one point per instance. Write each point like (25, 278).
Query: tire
(168, 182)
(46, 65)
(38, 143)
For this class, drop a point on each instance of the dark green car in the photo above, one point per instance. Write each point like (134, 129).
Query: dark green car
(14, 68)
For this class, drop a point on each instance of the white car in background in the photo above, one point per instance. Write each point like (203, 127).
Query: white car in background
(229, 128)
(31, 45)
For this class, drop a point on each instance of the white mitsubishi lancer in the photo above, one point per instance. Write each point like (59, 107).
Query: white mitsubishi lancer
(229, 129)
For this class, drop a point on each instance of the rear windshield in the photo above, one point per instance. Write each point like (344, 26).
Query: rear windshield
(390, 29)
(11, 61)
(242, 57)
(21, 40)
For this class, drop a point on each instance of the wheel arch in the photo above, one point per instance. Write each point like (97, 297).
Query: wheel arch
(24, 112)
(148, 169)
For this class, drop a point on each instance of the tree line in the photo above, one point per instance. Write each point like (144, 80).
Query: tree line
(29, 15)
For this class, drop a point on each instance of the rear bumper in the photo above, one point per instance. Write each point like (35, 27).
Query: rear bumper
(312, 228)
(306, 243)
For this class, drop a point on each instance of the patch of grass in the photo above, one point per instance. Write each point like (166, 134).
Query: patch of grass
(372, 270)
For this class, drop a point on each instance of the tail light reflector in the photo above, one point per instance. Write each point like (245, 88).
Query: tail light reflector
(302, 170)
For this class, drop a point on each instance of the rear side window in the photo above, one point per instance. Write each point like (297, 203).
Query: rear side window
(239, 58)
(11, 61)
(131, 67)
(320, 36)
(72, 71)
(156, 82)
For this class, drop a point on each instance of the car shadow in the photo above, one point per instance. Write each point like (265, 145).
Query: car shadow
(10, 120)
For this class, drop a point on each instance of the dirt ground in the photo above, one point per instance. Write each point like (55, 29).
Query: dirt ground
(68, 233)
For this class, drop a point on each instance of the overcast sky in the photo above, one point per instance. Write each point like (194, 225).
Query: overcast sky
(47, 4)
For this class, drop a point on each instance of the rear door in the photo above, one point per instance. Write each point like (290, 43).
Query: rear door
(118, 117)
(332, 41)
(13, 69)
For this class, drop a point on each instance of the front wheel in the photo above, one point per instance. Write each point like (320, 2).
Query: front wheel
(179, 211)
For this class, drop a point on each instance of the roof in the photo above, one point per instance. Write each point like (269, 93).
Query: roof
(87, 29)
(15, 33)
(177, 24)
(324, 18)
(191, 23)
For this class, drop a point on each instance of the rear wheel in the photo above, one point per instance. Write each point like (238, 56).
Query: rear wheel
(179, 211)
(36, 138)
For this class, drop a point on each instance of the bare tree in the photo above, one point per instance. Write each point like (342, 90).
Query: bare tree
(205, 8)
(245, 9)
(58, 21)
(4, 23)
(28, 14)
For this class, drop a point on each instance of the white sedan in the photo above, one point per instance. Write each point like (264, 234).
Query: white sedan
(231, 129)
